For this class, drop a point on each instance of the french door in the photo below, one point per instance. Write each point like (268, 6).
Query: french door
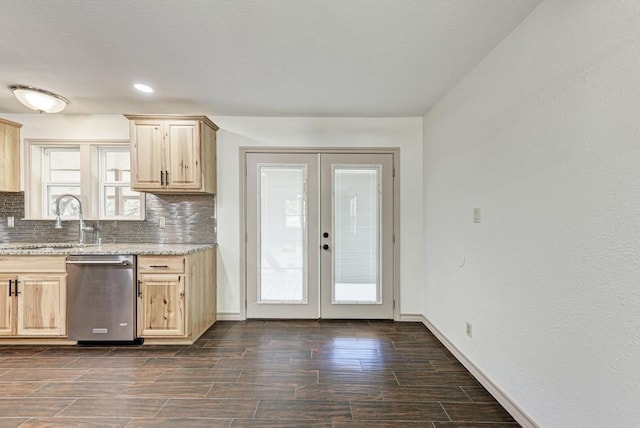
(319, 232)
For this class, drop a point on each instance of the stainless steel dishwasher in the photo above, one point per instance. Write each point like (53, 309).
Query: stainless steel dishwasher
(101, 298)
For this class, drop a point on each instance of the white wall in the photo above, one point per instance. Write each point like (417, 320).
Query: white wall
(544, 137)
(237, 132)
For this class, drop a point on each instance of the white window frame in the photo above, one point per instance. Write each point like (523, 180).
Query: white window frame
(90, 177)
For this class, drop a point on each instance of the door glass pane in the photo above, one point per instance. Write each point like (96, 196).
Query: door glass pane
(356, 234)
(282, 228)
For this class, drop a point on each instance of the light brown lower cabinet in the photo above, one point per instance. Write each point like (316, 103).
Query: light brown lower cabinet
(161, 310)
(33, 303)
(176, 297)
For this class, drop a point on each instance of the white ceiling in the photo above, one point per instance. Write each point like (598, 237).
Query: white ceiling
(249, 57)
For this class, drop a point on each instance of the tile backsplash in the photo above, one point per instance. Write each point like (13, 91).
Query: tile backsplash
(190, 219)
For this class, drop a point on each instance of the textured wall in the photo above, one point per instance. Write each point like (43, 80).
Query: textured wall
(190, 219)
(544, 137)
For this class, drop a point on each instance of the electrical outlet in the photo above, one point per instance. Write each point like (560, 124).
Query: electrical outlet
(162, 222)
(476, 215)
(11, 221)
(469, 329)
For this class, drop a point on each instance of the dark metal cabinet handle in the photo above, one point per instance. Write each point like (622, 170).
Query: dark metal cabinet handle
(325, 235)
(139, 289)
(325, 247)
(159, 266)
(17, 292)
(166, 177)
(10, 284)
(161, 177)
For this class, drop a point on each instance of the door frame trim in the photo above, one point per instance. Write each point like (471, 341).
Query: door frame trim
(395, 151)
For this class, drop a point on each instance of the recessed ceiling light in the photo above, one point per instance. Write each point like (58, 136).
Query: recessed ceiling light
(143, 88)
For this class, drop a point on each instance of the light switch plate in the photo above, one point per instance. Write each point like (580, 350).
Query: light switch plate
(162, 222)
(476, 215)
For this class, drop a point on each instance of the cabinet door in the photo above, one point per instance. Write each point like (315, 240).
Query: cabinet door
(161, 308)
(147, 155)
(42, 303)
(182, 155)
(7, 307)
(9, 157)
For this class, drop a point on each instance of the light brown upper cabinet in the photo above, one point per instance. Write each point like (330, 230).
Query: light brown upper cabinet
(9, 156)
(173, 154)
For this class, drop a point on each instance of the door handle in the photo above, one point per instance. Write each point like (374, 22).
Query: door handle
(99, 262)
(325, 247)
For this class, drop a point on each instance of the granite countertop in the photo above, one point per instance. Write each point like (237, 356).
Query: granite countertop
(72, 248)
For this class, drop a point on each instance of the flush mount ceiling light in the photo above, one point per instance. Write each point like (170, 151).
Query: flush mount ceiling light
(143, 88)
(39, 99)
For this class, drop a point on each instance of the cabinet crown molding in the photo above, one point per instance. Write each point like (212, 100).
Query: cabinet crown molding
(202, 118)
(8, 122)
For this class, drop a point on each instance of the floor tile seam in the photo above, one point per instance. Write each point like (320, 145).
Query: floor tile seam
(161, 407)
(445, 411)
(40, 387)
(75, 400)
(144, 381)
(209, 390)
(395, 376)
(29, 419)
(465, 393)
(441, 402)
(255, 411)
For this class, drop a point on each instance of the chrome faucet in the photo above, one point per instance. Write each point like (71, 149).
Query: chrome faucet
(58, 224)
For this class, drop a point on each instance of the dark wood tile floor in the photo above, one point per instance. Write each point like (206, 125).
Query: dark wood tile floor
(340, 374)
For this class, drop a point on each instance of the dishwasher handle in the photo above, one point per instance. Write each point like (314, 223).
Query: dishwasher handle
(100, 262)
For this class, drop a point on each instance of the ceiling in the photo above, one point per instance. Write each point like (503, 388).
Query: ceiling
(352, 58)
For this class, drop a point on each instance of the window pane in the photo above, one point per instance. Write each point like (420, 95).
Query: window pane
(283, 235)
(356, 223)
(64, 158)
(118, 200)
(64, 176)
(100, 170)
(63, 165)
(117, 165)
(68, 206)
(121, 201)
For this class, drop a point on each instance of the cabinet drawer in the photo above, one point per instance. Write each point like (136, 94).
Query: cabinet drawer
(29, 264)
(160, 264)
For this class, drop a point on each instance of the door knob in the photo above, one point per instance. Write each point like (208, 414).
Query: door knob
(325, 247)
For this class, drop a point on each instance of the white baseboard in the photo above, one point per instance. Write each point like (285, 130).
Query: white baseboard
(514, 410)
(411, 318)
(230, 316)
